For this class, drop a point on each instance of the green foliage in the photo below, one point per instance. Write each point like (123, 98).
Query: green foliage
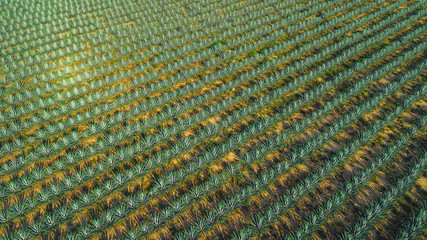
(209, 118)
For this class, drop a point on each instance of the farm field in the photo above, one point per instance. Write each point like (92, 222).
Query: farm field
(233, 119)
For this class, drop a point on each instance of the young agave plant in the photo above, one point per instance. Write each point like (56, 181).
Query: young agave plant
(258, 222)
(132, 235)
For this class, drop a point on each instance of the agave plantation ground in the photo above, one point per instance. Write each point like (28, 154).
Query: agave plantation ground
(233, 119)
